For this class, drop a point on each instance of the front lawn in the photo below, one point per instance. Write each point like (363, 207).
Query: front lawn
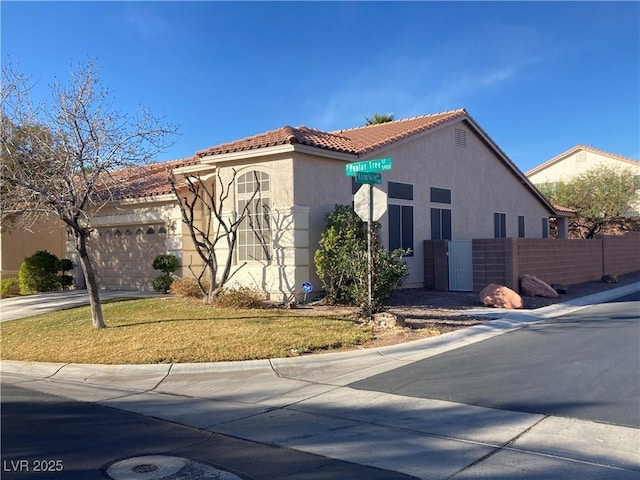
(174, 331)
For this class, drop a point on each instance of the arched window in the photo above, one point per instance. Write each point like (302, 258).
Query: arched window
(128, 232)
(254, 204)
(117, 233)
(162, 231)
(139, 232)
(150, 231)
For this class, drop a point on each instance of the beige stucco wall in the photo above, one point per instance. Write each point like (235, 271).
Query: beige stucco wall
(578, 163)
(17, 243)
(480, 185)
(282, 277)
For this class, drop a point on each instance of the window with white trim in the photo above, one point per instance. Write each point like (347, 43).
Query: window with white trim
(254, 232)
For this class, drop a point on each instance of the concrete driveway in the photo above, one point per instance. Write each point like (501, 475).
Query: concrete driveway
(28, 305)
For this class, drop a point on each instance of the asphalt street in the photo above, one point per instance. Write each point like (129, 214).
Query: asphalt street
(581, 365)
(46, 437)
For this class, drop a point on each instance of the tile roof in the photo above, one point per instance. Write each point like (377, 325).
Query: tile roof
(145, 180)
(356, 141)
(607, 154)
(577, 148)
(151, 180)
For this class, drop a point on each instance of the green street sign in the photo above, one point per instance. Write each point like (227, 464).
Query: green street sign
(368, 166)
(369, 177)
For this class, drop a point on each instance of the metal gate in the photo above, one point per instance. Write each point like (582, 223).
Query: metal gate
(460, 266)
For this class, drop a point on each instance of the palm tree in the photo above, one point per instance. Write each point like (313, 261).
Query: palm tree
(379, 118)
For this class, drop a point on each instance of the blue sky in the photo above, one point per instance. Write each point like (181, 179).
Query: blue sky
(539, 77)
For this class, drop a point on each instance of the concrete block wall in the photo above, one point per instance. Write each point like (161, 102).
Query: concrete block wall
(621, 254)
(505, 261)
(492, 262)
(559, 260)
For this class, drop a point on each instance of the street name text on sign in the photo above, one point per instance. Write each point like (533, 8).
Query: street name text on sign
(368, 166)
(369, 177)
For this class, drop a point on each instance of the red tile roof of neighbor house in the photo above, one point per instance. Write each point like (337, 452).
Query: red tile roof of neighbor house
(356, 141)
(577, 148)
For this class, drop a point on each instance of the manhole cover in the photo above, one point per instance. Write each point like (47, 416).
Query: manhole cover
(152, 467)
(145, 468)
(159, 467)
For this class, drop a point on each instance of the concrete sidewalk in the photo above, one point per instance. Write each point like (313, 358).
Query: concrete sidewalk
(305, 403)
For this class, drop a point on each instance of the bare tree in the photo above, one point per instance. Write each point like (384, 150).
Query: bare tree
(60, 158)
(214, 234)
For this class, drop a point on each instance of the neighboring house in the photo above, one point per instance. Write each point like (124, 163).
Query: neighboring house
(18, 242)
(578, 160)
(449, 181)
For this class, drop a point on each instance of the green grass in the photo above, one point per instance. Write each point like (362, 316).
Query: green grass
(172, 331)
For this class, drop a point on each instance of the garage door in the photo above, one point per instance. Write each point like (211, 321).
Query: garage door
(123, 255)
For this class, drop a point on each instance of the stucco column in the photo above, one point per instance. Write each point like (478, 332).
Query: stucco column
(291, 257)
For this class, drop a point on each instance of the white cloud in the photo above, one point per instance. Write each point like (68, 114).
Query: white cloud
(147, 23)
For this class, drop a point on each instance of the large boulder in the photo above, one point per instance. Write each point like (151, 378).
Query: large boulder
(499, 296)
(532, 286)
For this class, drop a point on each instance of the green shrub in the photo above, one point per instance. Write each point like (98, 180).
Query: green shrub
(167, 264)
(65, 281)
(39, 273)
(342, 255)
(9, 287)
(162, 283)
(65, 265)
(341, 262)
(241, 297)
(187, 288)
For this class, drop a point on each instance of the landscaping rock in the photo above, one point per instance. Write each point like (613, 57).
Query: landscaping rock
(387, 320)
(532, 286)
(499, 296)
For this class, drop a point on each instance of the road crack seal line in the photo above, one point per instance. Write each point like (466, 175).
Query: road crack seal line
(166, 375)
(498, 449)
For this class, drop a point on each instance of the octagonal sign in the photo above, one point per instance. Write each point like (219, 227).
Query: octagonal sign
(361, 203)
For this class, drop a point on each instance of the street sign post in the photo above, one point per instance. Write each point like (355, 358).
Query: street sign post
(370, 203)
(368, 166)
(369, 177)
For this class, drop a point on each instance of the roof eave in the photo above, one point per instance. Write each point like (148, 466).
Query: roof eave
(245, 154)
(277, 150)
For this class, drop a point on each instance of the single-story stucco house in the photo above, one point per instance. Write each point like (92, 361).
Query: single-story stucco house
(449, 180)
(580, 159)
